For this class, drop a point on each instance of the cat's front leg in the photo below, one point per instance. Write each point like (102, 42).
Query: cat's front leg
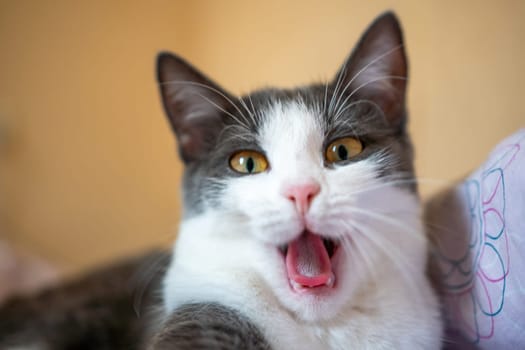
(207, 326)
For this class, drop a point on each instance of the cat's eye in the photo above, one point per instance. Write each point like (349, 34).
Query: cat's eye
(343, 149)
(248, 162)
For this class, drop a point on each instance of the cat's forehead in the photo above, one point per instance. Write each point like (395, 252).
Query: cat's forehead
(313, 113)
(291, 125)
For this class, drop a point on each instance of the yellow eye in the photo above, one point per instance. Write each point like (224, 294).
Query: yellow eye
(248, 162)
(343, 149)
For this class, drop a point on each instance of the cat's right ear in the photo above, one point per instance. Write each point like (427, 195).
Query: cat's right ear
(377, 69)
(193, 103)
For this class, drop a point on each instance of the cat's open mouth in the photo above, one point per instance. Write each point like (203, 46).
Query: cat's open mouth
(308, 260)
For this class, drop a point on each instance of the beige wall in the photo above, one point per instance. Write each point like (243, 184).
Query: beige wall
(88, 171)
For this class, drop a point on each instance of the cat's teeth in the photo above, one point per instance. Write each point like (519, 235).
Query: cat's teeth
(331, 280)
(300, 287)
(296, 286)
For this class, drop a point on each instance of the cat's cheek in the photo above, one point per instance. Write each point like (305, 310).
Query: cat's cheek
(277, 232)
(269, 217)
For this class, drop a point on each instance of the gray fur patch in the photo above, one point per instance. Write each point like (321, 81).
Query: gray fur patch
(208, 326)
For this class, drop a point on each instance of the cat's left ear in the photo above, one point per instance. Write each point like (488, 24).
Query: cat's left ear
(377, 69)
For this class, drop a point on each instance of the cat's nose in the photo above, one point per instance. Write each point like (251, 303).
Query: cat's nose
(302, 194)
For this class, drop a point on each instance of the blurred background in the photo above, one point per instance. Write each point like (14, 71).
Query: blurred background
(88, 168)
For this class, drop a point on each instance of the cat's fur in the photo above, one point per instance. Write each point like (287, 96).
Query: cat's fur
(227, 286)
(228, 246)
(106, 309)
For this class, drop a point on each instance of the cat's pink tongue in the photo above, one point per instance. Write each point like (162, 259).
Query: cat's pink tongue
(307, 261)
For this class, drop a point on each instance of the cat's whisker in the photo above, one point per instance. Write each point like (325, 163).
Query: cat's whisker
(352, 247)
(365, 117)
(325, 97)
(187, 82)
(388, 220)
(250, 114)
(395, 256)
(271, 225)
(235, 135)
(401, 181)
(420, 179)
(381, 218)
(251, 104)
(363, 231)
(224, 111)
(343, 198)
(365, 67)
(340, 76)
(272, 218)
(342, 110)
(371, 81)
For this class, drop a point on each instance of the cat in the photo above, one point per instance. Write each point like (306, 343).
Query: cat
(301, 224)
(299, 209)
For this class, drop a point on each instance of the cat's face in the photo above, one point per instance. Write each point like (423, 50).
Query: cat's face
(315, 179)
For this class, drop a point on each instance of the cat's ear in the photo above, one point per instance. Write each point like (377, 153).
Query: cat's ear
(377, 69)
(193, 103)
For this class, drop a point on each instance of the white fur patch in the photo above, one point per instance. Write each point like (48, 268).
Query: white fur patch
(229, 254)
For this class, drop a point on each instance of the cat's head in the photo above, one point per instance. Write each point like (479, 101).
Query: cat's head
(317, 178)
